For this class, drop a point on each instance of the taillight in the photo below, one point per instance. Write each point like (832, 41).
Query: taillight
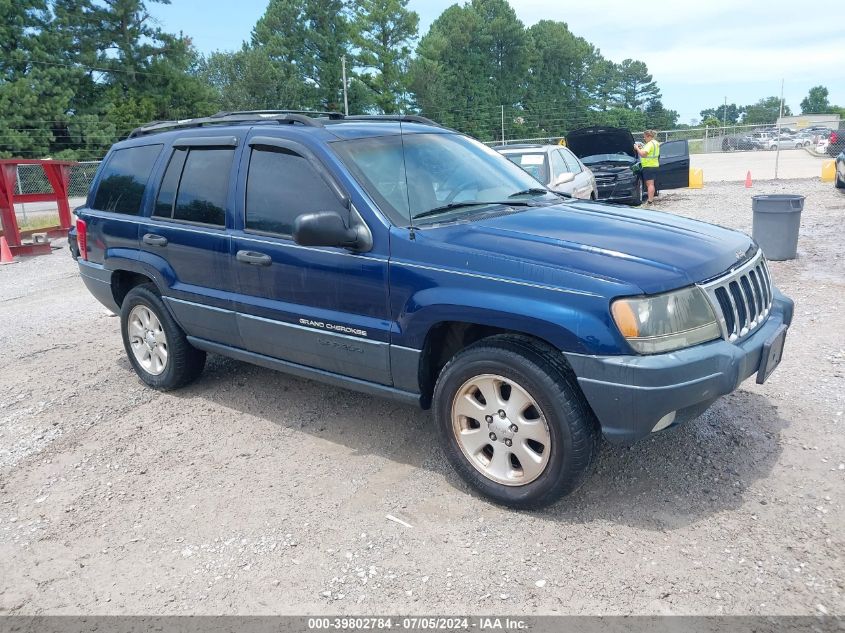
(82, 238)
(833, 138)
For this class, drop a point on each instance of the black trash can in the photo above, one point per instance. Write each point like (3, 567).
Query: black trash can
(777, 218)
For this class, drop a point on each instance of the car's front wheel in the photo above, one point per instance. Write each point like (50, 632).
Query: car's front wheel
(156, 346)
(513, 423)
(638, 193)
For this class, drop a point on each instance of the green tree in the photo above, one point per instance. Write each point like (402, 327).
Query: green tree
(636, 86)
(606, 83)
(562, 78)
(473, 60)
(35, 85)
(816, 101)
(383, 32)
(765, 110)
(729, 114)
(307, 39)
(249, 79)
(659, 118)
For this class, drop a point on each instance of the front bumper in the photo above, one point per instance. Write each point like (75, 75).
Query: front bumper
(630, 394)
(617, 191)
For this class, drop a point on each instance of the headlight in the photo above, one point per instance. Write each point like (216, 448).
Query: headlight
(666, 322)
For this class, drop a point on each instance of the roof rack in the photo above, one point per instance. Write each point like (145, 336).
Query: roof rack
(227, 117)
(304, 117)
(310, 113)
(403, 118)
(519, 145)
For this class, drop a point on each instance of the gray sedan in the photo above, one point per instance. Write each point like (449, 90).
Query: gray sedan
(554, 166)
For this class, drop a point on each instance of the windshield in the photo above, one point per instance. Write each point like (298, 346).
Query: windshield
(621, 157)
(534, 163)
(450, 172)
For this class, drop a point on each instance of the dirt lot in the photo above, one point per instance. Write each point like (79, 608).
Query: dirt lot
(255, 492)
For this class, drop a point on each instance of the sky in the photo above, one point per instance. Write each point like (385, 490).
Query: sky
(698, 52)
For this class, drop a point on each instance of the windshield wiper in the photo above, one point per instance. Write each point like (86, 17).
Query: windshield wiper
(538, 191)
(473, 203)
(449, 207)
(534, 191)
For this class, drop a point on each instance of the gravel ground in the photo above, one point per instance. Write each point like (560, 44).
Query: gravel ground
(255, 492)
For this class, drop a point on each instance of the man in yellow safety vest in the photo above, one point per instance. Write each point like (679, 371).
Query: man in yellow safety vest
(650, 161)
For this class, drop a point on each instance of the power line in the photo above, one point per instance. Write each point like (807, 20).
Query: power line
(95, 68)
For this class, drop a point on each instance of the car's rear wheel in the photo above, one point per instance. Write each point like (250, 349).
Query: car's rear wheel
(513, 423)
(156, 346)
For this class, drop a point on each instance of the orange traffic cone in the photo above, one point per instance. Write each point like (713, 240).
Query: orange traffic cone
(748, 180)
(5, 252)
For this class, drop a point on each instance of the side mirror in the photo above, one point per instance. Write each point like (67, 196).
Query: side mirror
(325, 228)
(564, 178)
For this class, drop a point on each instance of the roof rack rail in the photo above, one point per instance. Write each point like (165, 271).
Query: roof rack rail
(226, 117)
(311, 113)
(404, 118)
(304, 117)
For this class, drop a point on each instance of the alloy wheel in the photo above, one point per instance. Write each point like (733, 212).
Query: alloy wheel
(147, 340)
(501, 430)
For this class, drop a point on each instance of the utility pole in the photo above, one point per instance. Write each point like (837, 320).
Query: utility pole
(503, 124)
(777, 137)
(345, 97)
(725, 118)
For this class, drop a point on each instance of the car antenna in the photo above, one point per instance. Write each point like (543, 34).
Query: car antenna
(411, 231)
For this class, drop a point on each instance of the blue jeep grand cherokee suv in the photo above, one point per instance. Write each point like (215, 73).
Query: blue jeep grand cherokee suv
(396, 257)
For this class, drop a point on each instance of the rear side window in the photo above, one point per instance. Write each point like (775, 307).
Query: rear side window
(559, 166)
(195, 186)
(280, 186)
(124, 179)
(571, 161)
(170, 184)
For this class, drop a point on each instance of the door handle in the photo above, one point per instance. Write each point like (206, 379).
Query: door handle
(154, 240)
(253, 258)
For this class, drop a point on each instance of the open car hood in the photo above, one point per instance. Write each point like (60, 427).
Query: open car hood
(598, 139)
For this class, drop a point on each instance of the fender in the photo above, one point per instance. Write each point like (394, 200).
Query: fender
(575, 323)
(118, 259)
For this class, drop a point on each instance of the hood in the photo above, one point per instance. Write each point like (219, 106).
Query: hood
(590, 141)
(650, 251)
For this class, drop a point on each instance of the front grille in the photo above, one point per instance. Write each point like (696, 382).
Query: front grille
(605, 179)
(742, 298)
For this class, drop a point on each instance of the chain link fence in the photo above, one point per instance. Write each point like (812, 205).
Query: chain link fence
(731, 138)
(32, 179)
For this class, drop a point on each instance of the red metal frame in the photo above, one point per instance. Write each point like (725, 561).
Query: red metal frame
(58, 175)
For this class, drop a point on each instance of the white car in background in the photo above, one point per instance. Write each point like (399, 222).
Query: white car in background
(554, 166)
(821, 146)
(785, 142)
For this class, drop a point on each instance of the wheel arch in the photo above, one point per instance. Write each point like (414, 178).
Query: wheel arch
(122, 281)
(129, 273)
(446, 338)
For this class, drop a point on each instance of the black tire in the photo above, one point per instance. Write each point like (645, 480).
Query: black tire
(637, 198)
(574, 431)
(184, 362)
(838, 182)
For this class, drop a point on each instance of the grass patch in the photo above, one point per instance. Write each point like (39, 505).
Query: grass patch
(40, 222)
